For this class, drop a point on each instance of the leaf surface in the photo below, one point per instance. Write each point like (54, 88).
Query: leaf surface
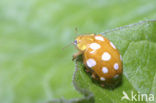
(136, 44)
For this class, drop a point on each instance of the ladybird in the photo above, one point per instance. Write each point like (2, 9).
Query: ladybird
(100, 57)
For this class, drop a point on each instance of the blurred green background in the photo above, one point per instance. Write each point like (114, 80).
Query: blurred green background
(33, 66)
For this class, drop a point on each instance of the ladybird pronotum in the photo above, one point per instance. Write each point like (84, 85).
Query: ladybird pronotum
(100, 56)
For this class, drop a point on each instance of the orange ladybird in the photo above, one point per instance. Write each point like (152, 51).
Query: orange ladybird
(100, 56)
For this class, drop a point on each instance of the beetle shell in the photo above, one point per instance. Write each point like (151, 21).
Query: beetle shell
(100, 56)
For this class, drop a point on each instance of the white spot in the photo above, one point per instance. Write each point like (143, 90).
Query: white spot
(120, 57)
(116, 76)
(91, 63)
(106, 56)
(94, 46)
(102, 79)
(116, 66)
(99, 38)
(104, 70)
(112, 45)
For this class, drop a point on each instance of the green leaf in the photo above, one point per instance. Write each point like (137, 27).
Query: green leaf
(137, 45)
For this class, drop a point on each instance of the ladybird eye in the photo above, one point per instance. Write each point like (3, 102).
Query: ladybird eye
(75, 42)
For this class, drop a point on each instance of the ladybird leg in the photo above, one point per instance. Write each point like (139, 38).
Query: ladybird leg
(87, 70)
(93, 76)
(76, 55)
(102, 85)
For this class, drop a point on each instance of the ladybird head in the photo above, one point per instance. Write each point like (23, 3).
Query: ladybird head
(82, 41)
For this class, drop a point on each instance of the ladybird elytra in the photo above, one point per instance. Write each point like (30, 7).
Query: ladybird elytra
(100, 56)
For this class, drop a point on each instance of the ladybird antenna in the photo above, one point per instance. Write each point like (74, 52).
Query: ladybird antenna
(76, 31)
(68, 45)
